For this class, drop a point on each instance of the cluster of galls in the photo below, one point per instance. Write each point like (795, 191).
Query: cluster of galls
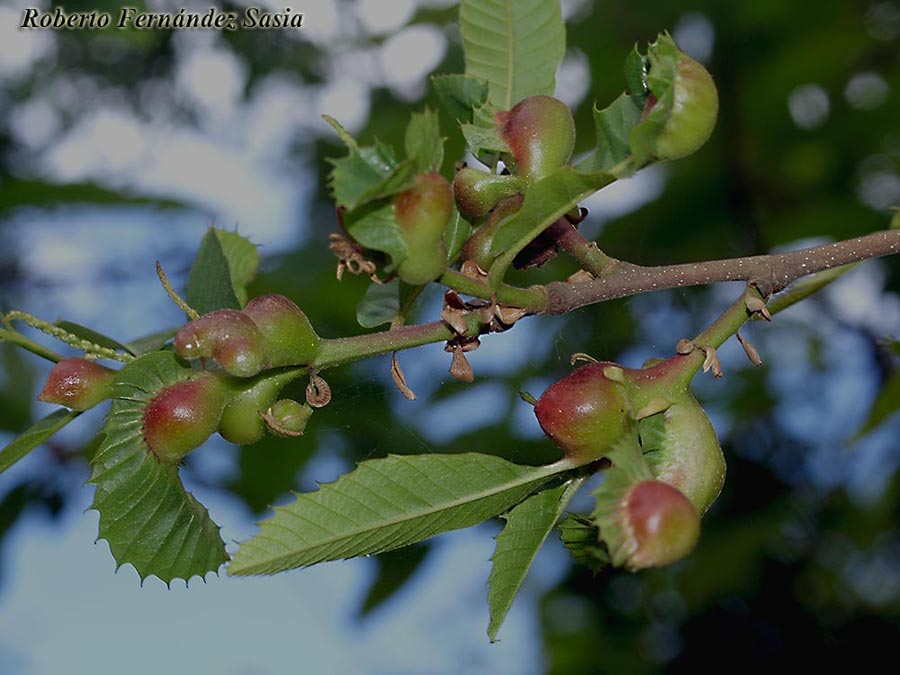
(646, 519)
(239, 399)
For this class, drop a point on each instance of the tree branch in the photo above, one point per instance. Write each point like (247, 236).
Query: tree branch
(769, 273)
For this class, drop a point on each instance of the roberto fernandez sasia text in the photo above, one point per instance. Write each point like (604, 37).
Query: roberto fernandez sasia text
(131, 17)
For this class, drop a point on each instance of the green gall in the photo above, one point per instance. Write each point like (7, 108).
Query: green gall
(540, 133)
(242, 422)
(477, 192)
(77, 383)
(478, 246)
(682, 449)
(288, 337)
(682, 105)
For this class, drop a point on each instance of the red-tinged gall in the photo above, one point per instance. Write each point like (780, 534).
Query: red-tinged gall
(662, 522)
(423, 213)
(77, 383)
(229, 336)
(585, 412)
(540, 132)
(288, 336)
(182, 416)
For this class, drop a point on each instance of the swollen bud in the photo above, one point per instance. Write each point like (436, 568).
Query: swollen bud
(477, 192)
(683, 100)
(77, 383)
(288, 337)
(423, 213)
(662, 526)
(585, 412)
(183, 415)
(540, 132)
(229, 336)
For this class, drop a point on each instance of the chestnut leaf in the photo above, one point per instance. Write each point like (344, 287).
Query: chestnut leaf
(527, 528)
(516, 47)
(385, 504)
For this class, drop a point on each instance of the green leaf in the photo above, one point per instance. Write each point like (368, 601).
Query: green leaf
(460, 95)
(375, 227)
(582, 538)
(636, 77)
(152, 342)
(613, 128)
(209, 284)
(385, 504)
(547, 199)
(91, 335)
(16, 338)
(483, 138)
(366, 174)
(516, 46)
(526, 530)
(146, 515)
(379, 305)
(455, 235)
(424, 143)
(32, 437)
(243, 261)
(886, 404)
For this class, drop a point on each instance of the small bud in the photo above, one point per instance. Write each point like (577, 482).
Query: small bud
(540, 133)
(182, 416)
(288, 336)
(663, 525)
(477, 192)
(585, 412)
(77, 383)
(229, 336)
(288, 418)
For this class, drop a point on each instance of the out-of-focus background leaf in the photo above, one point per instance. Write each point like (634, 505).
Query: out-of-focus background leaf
(119, 148)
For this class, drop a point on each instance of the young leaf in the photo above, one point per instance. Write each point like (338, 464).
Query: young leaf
(367, 173)
(32, 437)
(424, 144)
(375, 227)
(152, 342)
(613, 127)
(527, 527)
(243, 261)
(146, 515)
(379, 305)
(385, 504)
(209, 284)
(460, 95)
(582, 538)
(547, 199)
(516, 47)
(458, 230)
